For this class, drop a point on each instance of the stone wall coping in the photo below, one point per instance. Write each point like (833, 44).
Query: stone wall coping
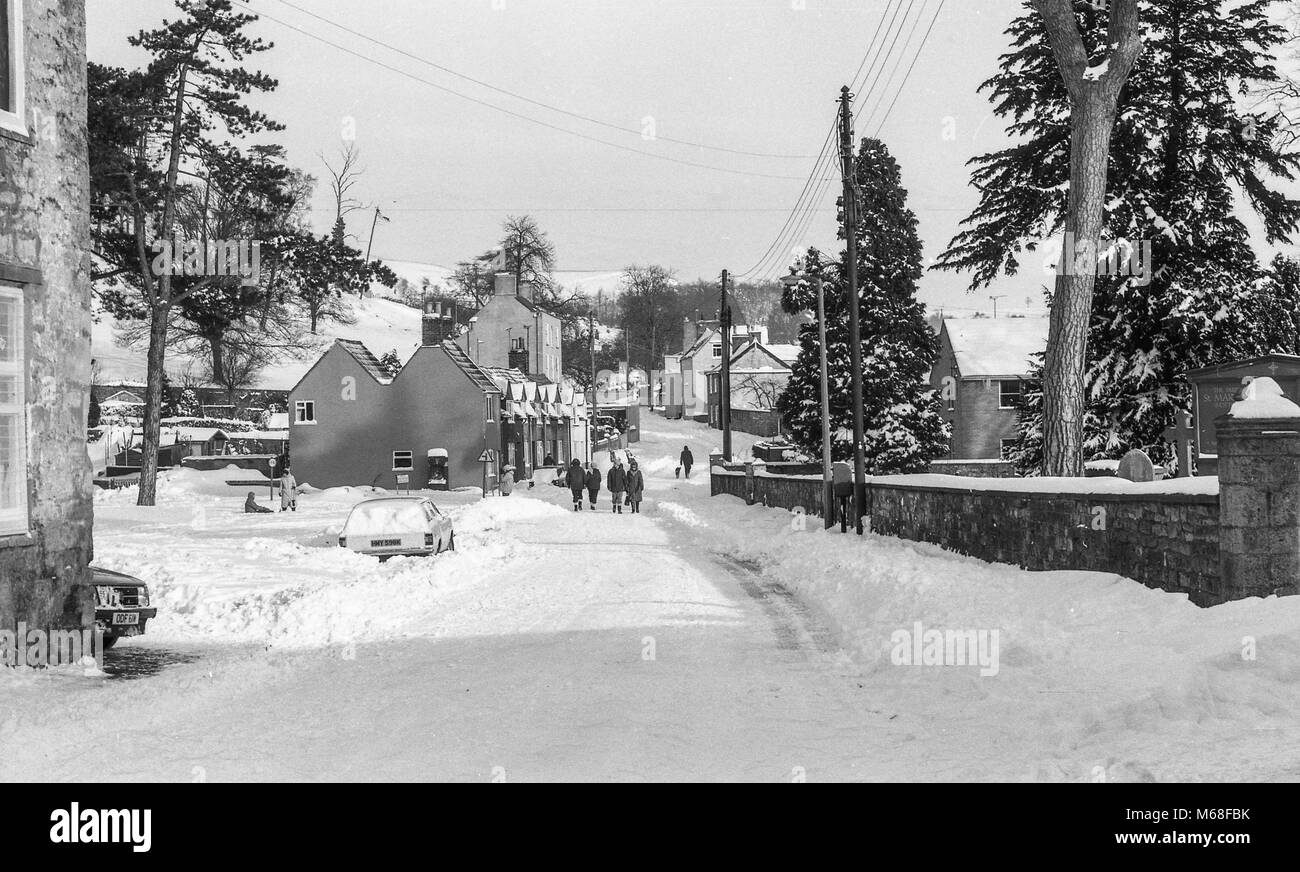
(1106, 489)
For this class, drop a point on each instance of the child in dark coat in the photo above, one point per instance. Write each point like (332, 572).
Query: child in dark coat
(593, 484)
(616, 481)
(251, 506)
(576, 481)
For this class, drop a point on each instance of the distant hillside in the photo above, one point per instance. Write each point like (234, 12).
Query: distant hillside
(381, 325)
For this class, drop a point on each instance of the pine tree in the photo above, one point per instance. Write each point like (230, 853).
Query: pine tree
(903, 428)
(1181, 150)
(391, 364)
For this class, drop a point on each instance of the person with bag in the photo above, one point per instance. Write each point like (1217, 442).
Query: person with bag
(576, 481)
(593, 484)
(616, 481)
(635, 487)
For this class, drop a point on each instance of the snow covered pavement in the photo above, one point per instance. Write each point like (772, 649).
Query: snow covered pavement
(703, 639)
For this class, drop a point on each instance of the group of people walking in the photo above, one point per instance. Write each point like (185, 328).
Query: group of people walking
(626, 486)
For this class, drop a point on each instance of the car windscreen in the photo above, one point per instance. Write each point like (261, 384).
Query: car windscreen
(387, 516)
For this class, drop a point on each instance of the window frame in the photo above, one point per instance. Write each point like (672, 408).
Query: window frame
(1003, 444)
(16, 521)
(16, 121)
(409, 456)
(299, 409)
(1020, 393)
(490, 416)
(717, 351)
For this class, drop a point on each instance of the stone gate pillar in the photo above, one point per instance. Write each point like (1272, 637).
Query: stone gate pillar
(1259, 494)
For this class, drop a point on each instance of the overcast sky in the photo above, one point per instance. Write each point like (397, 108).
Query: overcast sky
(745, 75)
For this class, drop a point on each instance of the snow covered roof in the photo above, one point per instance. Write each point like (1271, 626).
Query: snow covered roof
(995, 347)
(368, 361)
(787, 353)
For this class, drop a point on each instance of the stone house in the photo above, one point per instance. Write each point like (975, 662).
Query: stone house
(702, 352)
(759, 374)
(45, 480)
(979, 375)
(512, 330)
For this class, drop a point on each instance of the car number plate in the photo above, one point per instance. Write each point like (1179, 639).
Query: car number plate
(126, 618)
(385, 543)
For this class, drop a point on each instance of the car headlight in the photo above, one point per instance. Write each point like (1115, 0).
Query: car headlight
(144, 596)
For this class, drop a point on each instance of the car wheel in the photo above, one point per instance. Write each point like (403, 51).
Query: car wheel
(451, 543)
(110, 641)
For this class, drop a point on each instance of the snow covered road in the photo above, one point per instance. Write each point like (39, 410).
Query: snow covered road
(701, 640)
(608, 647)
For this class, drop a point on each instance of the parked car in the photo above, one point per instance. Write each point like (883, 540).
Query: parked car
(121, 605)
(398, 526)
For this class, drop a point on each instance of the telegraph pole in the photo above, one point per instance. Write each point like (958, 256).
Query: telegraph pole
(995, 298)
(591, 399)
(855, 331)
(724, 400)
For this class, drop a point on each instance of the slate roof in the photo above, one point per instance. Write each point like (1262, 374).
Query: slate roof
(367, 361)
(476, 374)
(993, 347)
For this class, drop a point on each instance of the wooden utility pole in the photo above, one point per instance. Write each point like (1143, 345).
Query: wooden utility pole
(591, 395)
(724, 398)
(855, 331)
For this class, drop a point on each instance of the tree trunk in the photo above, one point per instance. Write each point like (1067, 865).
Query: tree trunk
(153, 405)
(1094, 87)
(1067, 343)
(218, 359)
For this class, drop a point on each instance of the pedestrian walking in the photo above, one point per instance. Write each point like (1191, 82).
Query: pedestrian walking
(593, 484)
(616, 481)
(687, 459)
(635, 487)
(576, 481)
(288, 491)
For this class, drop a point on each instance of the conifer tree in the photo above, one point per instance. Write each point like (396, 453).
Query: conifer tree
(1184, 157)
(903, 429)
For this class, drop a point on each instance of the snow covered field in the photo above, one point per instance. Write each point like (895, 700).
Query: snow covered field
(702, 639)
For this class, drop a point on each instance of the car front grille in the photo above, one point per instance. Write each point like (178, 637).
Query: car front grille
(129, 597)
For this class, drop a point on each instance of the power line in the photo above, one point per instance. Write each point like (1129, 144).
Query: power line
(908, 74)
(866, 94)
(800, 210)
(898, 62)
(511, 112)
(526, 99)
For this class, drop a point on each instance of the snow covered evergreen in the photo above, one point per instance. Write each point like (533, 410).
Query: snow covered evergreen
(1186, 155)
(903, 428)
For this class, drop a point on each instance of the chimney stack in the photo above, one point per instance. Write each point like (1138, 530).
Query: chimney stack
(689, 334)
(439, 322)
(505, 284)
(528, 291)
(518, 359)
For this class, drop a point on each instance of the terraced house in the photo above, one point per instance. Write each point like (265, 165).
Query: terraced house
(45, 484)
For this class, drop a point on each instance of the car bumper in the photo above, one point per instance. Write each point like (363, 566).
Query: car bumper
(109, 623)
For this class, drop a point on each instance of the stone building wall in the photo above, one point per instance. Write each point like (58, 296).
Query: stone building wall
(44, 202)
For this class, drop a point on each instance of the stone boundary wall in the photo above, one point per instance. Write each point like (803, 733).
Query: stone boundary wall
(1165, 541)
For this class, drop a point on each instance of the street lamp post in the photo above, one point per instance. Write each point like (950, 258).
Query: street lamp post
(828, 504)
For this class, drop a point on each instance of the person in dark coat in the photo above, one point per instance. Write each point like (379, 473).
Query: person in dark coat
(635, 487)
(616, 481)
(549, 460)
(687, 459)
(593, 484)
(576, 481)
(251, 507)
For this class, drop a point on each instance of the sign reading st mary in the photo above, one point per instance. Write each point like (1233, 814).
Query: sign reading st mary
(1216, 388)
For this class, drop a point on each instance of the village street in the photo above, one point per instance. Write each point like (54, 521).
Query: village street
(676, 644)
(604, 647)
